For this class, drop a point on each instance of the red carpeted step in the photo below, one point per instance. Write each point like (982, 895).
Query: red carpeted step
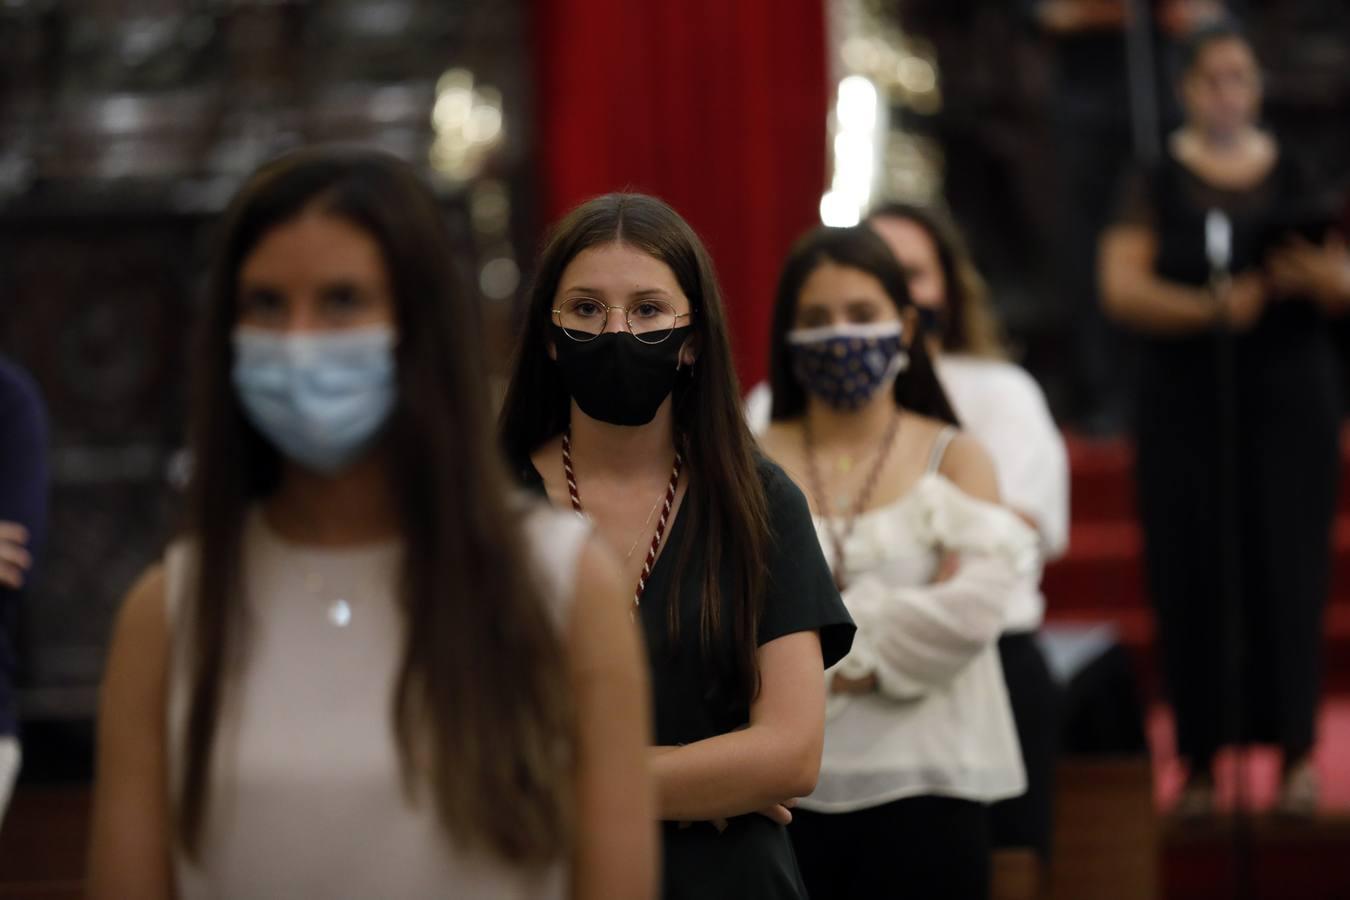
(1136, 632)
(1104, 568)
(1102, 485)
(1278, 858)
(1102, 571)
(1102, 580)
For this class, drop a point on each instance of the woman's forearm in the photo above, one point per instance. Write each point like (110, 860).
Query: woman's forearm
(732, 774)
(1135, 296)
(1156, 305)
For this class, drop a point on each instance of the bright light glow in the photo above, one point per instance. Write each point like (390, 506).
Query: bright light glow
(853, 150)
(468, 121)
(452, 109)
(855, 53)
(454, 80)
(857, 105)
(484, 125)
(916, 75)
(499, 278)
(451, 159)
(854, 167)
(838, 211)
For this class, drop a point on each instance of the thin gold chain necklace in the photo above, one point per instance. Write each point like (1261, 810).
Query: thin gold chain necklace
(840, 536)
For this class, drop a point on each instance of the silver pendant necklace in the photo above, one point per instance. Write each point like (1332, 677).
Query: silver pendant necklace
(337, 611)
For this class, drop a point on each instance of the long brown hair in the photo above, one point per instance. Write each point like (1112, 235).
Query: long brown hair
(725, 495)
(917, 389)
(972, 327)
(480, 709)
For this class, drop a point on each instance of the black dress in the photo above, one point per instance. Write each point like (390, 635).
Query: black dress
(1286, 451)
(752, 859)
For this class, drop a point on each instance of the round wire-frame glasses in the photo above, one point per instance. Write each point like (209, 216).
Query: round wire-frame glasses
(650, 321)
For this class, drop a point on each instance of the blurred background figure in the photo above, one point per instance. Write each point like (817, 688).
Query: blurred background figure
(23, 527)
(920, 737)
(1003, 408)
(1214, 329)
(366, 668)
(1110, 104)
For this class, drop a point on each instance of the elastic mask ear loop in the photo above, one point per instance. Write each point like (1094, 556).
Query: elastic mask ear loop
(899, 363)
(679, 358)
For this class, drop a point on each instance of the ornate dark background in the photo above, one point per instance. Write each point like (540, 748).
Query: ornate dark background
(124, 127)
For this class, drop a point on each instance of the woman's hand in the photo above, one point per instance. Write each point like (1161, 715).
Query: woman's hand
(947, 567)
(15, 560)
(780, 812)
(842, 684)
(1323, 272)
(754, 768)
(1244, 301)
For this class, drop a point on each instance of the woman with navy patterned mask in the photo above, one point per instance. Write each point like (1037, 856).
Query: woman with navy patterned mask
(919, 736)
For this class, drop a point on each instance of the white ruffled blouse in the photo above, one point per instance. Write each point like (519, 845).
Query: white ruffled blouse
(940, 722)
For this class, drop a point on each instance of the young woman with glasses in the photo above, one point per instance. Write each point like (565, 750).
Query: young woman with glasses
(370, 668)
(624, 408)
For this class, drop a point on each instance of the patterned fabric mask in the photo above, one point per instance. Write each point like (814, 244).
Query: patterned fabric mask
(845, 365)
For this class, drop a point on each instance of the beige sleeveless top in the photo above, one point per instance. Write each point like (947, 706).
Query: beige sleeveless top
(306, 796)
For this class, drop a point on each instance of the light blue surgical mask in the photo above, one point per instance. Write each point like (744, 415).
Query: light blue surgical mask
(321, 398)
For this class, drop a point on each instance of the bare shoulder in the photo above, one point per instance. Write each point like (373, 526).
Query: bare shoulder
(547, 461)
(600, 603)
(143, 620)
(968, 465)
(597, 570)
(918, 433)
(547, 455)
(920, 425)
(139, 652)
(130, 833)
(781, 437)
(782, 443)
(602, 640)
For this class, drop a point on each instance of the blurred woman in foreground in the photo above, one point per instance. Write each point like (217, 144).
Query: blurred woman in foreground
(367, 669)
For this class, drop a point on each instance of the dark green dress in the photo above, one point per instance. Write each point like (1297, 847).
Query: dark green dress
(752, 858)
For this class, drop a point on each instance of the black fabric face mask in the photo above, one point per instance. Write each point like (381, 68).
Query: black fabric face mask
(616, 378)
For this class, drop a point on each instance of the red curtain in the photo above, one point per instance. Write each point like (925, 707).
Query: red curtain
(716, 106)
